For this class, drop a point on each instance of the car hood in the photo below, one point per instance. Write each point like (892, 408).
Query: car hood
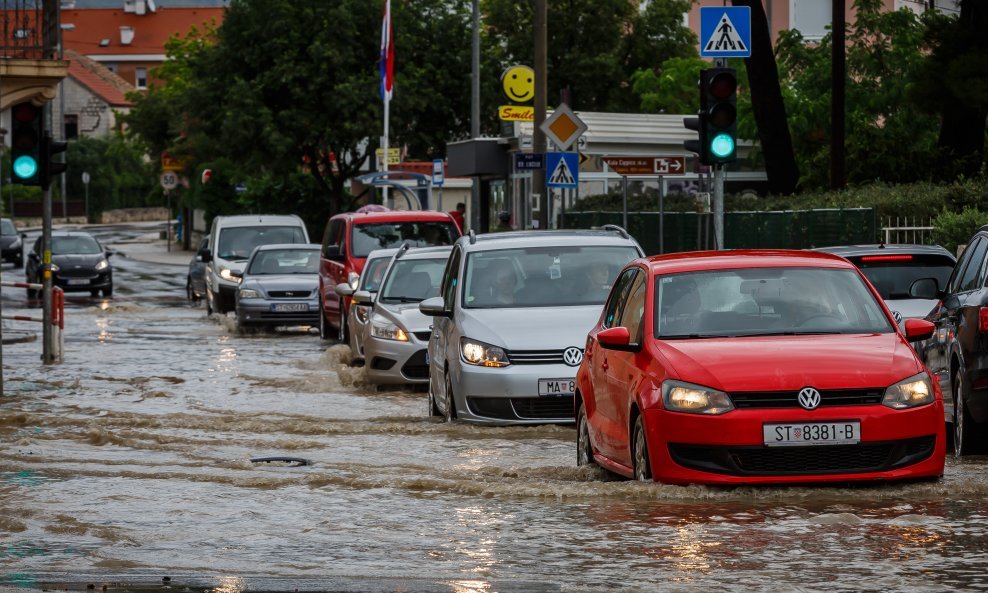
(785, 363)
(8, 240)
(912, 308)
(74, 259)
(406, 315)
(297, 282)
(531, 328)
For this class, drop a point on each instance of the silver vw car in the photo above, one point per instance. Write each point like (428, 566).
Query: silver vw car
(370, 282)
(397, 332)
(511, 321)
(279, 286)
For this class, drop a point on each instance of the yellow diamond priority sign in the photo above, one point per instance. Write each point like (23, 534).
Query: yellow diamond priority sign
(563, 127)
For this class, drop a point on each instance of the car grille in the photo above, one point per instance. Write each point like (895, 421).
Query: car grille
(523, 408)
(535, 356)
(87, 272)
(289, 294)
(796, 461)
(790, 399)
(416, 367)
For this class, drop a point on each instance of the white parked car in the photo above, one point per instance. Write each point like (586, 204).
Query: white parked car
(369, 281)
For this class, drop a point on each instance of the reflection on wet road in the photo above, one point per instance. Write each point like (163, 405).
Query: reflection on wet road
(131, 461)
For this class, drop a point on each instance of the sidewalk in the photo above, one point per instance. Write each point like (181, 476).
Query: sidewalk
(152, 249)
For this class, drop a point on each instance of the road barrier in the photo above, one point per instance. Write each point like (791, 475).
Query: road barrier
(57, 315)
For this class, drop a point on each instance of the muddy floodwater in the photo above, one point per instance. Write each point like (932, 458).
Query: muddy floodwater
(130, 463)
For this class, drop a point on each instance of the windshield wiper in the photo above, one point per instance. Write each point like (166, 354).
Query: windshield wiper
(393, 299)
(692, 336)
(794, 333)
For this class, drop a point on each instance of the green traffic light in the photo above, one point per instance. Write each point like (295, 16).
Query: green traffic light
(722, 146)
(25, 167)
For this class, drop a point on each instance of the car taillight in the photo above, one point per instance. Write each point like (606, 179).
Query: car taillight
(983, 319)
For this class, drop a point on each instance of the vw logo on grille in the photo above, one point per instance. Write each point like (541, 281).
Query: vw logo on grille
(897, 316)
(809, 398)
(573, 356)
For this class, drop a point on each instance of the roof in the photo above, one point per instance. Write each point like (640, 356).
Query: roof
(382, 253)
(575, 237)
(292, 246)
(630, 128)
(694, 261)
(427, 252)
(159, 4)
(395, 216)
(257, 220)
(100, 80)
(151, 30)
(892, 248)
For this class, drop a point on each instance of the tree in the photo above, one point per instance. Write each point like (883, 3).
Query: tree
(670, 88)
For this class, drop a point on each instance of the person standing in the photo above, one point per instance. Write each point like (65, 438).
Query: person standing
(459, 216)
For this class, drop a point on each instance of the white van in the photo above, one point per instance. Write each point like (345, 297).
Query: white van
(231, 241)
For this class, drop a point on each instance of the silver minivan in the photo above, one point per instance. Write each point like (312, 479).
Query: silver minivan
(231, 241)
(511, 322)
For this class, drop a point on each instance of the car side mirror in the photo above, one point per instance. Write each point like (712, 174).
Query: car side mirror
(24, 236)
(332, 253)
(434, 307)
(108, 253)
(363, 297)
(919, 329)
(925, 288)
(343, 289)
(207, 257)
(617, 338)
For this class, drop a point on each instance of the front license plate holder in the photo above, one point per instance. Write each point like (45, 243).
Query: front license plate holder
(557, 387)
(290, 307)
(808, 434)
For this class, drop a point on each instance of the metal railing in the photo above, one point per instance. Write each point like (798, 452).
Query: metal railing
(57, 314)
(904, 229)
(29, 29)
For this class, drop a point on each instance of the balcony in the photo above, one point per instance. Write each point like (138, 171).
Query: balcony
(30, 58)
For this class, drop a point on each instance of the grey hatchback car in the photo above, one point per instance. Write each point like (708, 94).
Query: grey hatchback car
(511, 322)
(279, 286)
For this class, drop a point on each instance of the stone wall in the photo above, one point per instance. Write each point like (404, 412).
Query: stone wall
(134, 215)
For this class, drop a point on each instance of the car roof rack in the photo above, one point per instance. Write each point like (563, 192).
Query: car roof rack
(473, 236)
(613, 227)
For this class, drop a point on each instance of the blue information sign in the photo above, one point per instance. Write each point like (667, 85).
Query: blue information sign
(525, 161)
(725, 31)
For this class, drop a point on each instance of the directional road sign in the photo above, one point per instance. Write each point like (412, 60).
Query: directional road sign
(725, 31)
(646, 165)
(562, 169)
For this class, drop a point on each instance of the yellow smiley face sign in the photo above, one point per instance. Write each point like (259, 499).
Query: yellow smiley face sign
(518, 83)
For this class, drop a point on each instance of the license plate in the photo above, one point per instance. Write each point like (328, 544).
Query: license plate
(290, 307)
(556, 387)
(77, 281)
(812, 433)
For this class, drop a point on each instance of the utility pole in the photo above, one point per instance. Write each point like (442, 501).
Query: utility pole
(538, 136)
(475, 113)
(838, 83)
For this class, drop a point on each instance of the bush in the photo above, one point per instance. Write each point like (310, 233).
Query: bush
(956, 228)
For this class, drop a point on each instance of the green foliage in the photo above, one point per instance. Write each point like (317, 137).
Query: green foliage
(671, 88)
(957, 228)
(119, 175)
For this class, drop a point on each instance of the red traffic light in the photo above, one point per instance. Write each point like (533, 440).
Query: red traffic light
(723, 85)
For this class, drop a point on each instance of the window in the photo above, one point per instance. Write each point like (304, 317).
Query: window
(71, 126)
(634, 310)
(618, 295)
(141, 78)
(450, 280)
(969, 281)
(413, 280)
(381, 235)
(810, 17)
(332, 232)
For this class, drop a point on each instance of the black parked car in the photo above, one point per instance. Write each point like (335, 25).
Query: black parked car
(11, 243)
(79, 264)
(958, 352)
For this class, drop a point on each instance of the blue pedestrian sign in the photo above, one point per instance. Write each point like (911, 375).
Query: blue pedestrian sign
(725, 31)
(561, 169)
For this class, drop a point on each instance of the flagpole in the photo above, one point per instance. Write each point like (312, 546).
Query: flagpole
(384, 142)
(387, 81)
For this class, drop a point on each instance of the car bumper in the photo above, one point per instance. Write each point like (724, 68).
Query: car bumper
(510, 395)
(729, 449)
(262, 312)
(83, 284)
(390, 362)
(12, 254)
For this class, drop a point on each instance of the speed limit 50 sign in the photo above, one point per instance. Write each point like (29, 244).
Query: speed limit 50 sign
(169, 180)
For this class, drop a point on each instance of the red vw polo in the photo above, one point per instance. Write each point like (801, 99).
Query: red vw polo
(752, 367)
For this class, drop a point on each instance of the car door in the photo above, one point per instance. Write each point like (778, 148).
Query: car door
(443, 344)
(331, 268)
(602, 412)
(960, 311)
(623, 376)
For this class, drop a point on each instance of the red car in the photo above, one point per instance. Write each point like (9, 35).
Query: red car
(755, 367)
(350, 236)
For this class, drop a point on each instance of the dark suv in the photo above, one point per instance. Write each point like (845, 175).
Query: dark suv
(958, 352)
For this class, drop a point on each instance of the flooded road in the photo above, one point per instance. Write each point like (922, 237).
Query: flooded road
(131, 462)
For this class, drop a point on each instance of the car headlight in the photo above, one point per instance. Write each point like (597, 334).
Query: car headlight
(909, 393)
(353, 278)
(102, 265)
(695, 399)
(247, 293)
(361, 312)
(227, 275)
(482, 354)
(389, 332)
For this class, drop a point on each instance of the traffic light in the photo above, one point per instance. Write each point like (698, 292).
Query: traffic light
(698, 125)
(719, 102)
(26, 143)
(50, 168)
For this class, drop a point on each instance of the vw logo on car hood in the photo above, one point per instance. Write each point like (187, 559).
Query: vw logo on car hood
(897, 316)
(573, 356)
(809, 398)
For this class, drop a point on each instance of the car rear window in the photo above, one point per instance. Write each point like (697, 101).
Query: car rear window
(383, 235)
(893, 274)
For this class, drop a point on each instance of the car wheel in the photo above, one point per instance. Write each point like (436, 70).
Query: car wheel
(449, 402)
(189, 294)
(584, 450)
(344, 336)
(966, 439)
(433, 408)
(642, 467)
(108, 291)
(209, 302)
(94, 293)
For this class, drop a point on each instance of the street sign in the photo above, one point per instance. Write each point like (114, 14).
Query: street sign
(646, 165)
(725, 31)
(516, 113)
(169, 163)
(169, 180)
(394, 156)
(527, 161)
(438, 173)
(563, 127)
(562, 169)
(85, 177)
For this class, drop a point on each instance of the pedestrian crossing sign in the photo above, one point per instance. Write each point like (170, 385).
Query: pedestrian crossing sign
(562, 169)
(725, 31)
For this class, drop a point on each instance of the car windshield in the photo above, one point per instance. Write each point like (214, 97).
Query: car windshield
(7, 227)
(413, 280)
(370, 278)
(237, 243)
(370, 236)
(284, 261)
(76, 245)
(765, 301)
(893, 274)
(557, 276)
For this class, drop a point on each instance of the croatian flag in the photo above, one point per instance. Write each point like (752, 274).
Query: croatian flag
(387, 54)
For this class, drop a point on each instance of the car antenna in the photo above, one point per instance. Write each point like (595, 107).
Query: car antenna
(473, 236)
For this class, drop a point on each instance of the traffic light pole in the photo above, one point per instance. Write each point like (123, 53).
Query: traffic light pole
(47, 335)
(718, 205)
